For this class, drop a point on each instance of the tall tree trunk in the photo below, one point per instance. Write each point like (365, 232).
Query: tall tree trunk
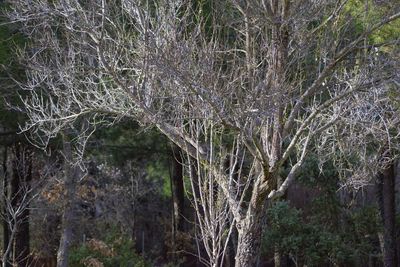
(249, 240)
(250, 229)
(178, 198)
(20, 186)
(70, 177)
(66, 237)
(280, 260)
(177, 189)
(387, 206)
(6, 231)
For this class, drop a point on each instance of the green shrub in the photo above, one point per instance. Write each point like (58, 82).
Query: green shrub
(306, 242)
(313, 242)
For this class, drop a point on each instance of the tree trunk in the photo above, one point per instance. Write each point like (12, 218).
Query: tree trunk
(71, 176)
(280, 260)
(66, 238)
(6, 232)
(177, 189)
(20, 185)
(249, 240)
(178, 197)
(387, 206)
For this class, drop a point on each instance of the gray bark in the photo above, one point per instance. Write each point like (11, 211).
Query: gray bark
(66, 238)
(249, 241)
(71, 178)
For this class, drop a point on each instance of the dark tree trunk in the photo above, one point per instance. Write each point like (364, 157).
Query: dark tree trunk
(178, 198)
(6, 232)
(387, 206)
(229, 260)
(20, 186)
(178, 189)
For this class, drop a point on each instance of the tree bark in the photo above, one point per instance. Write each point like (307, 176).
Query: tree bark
(71, 176)
(280, 260)
(249, 241)
(66, 238)
(387, 207)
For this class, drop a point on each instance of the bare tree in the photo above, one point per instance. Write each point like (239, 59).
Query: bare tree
(244, 89)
